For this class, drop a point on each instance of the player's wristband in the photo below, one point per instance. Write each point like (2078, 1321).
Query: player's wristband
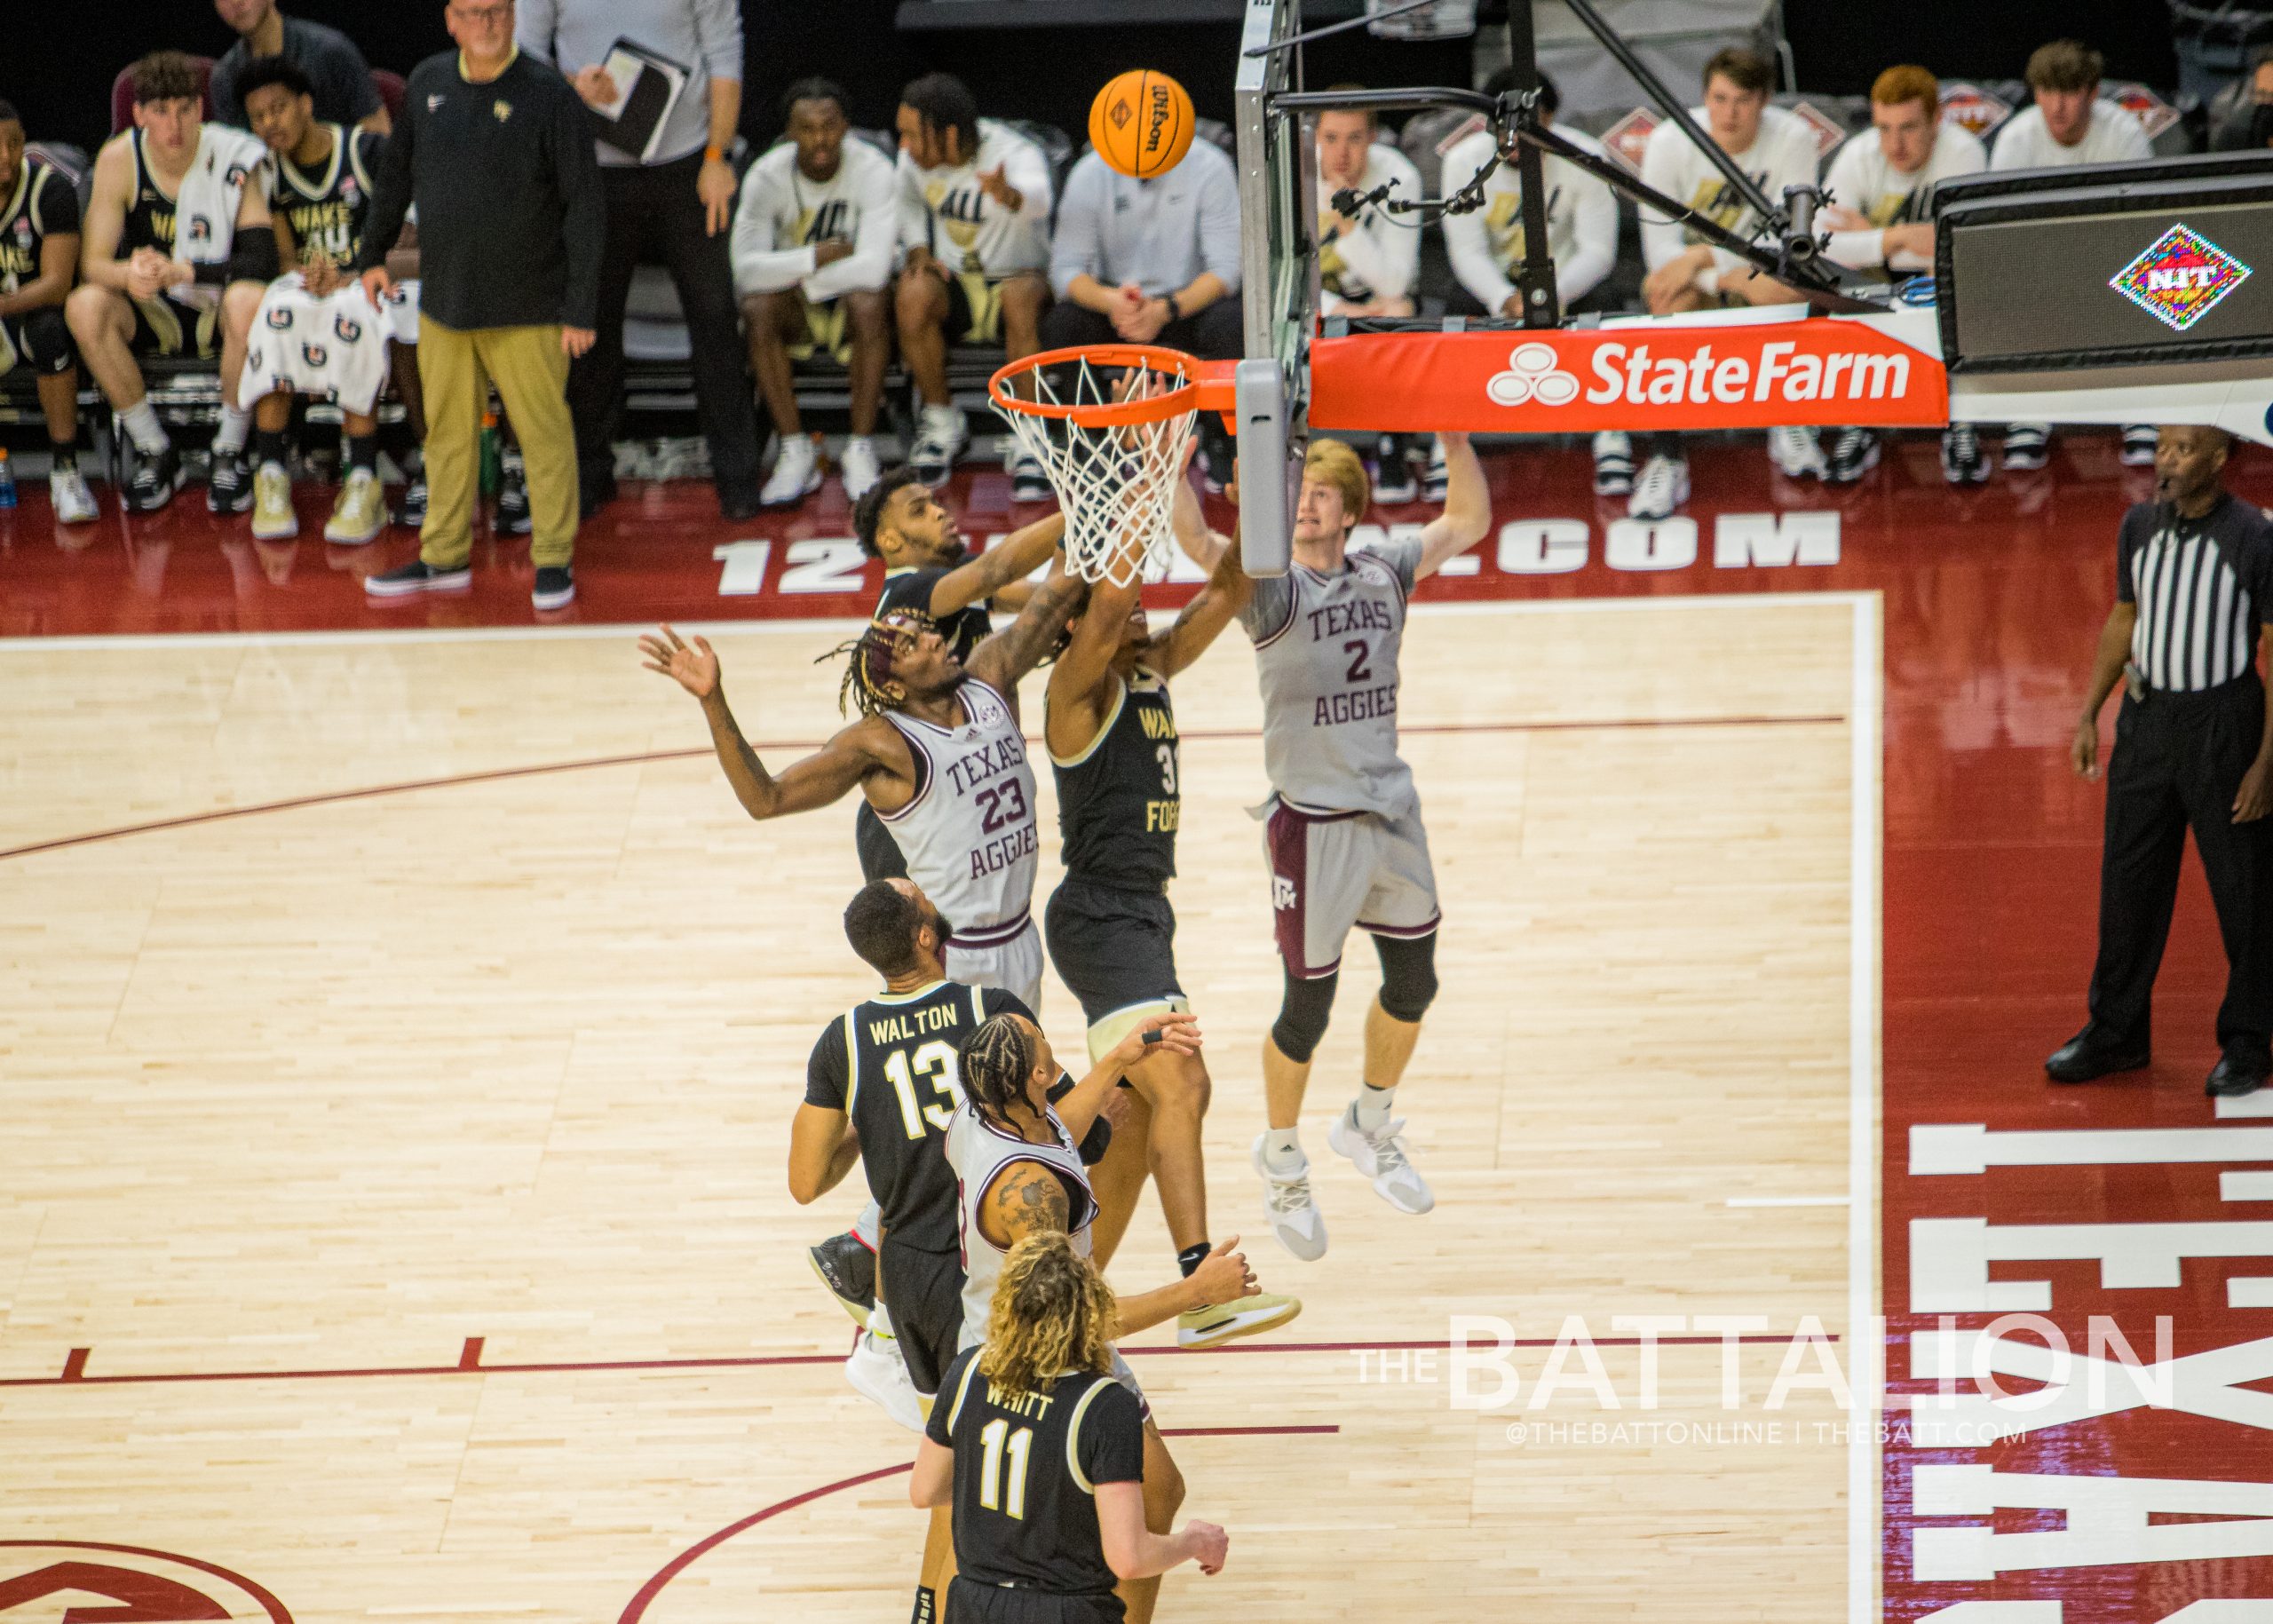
(1176, 314)
(714, 154)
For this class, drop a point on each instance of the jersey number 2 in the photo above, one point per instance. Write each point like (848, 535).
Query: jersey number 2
(1359, 670)
(935, 1063)
(991, 1436)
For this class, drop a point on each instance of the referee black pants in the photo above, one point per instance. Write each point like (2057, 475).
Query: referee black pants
(2178, 761)
(653, 214)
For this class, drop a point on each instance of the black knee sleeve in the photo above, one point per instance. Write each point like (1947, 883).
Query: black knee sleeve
(47, 339)
(1408, 974)
(1303, 1015)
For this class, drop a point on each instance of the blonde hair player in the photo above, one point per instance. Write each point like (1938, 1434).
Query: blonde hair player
(1112, 735)
(1344, 840)
(1042, 1455)
(1018, 1177)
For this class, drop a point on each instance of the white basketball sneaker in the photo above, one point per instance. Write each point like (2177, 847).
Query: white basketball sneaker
(1293, 1210)
(1379, 1153)
(879, 1375)
(1663, 486)
(858, 466)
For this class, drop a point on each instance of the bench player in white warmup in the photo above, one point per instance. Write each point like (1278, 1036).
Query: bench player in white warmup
(1344, 839)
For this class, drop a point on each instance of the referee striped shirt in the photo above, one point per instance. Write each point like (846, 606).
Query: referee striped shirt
(2200, 586)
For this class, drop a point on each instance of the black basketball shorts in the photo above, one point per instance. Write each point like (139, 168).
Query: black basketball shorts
(37, 340)
(1114, 948)
(971, 1601)
(923, 1291)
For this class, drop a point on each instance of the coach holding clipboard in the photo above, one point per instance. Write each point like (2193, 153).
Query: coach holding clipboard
(670, 196)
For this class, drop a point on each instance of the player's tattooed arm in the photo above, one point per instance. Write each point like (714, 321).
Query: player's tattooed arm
(977, 580)
(1218, 604)
(1027, 1199)
(1001, 660)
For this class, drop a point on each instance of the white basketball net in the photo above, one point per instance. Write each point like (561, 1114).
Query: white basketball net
(1117, 485)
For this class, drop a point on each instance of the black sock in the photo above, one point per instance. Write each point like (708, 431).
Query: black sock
(363, 452)
(63, 457)
(1192, 1256)
(268, 446)
(926, 1606)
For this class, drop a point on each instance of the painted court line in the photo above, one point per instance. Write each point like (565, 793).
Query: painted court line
(1789, 1200)
(498, 774)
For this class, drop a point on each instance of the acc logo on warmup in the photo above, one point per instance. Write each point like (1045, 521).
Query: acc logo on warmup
(1533, 374)
(75, 1580)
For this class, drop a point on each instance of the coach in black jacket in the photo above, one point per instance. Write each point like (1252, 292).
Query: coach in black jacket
(496, 151)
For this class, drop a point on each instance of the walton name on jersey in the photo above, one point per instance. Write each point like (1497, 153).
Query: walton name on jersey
(886, 1030)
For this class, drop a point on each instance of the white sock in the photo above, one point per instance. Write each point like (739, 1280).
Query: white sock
(236, 428)
(1372, 1107)
(1282, 1148)
(946, 415)
(142, 426)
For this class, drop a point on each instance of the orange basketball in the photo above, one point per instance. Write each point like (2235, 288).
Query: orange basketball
(1141, 123)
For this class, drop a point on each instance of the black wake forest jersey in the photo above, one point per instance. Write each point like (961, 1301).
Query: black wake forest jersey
(42, 205)
(1026, 1471)
(150, 215)
(890, 1065)
(911, 588)
(1118, 806)
(326, 207)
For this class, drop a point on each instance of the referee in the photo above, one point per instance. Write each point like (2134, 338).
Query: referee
(2194, 572)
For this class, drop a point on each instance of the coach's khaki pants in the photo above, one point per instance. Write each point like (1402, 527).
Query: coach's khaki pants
(456, 368)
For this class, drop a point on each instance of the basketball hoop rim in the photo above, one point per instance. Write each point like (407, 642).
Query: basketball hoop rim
(1207, 384)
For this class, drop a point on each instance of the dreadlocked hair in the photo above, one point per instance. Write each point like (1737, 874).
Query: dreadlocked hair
(996, 1060)
(869, 684)
(1052, 1315)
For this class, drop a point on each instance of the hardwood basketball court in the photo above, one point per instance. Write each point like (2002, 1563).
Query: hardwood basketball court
(395, 1214)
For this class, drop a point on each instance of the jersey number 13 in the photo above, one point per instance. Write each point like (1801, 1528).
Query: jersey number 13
(935, 1064)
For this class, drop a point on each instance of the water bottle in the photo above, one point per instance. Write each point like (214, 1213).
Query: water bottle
(492, 462)
(7, 480)
(1439, 19)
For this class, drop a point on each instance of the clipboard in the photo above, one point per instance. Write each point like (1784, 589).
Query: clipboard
(647, 89)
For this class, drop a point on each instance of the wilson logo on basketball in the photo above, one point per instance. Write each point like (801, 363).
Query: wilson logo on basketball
(1163, 111)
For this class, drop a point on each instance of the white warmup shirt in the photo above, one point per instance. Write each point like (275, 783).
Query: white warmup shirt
(785, 213)
(1861, 180)
(1487, 246)
(2113, 136)
(1782, 155)
(1380, 258)
(947, 211)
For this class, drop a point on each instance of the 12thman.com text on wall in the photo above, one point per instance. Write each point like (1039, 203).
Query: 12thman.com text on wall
(822, 565)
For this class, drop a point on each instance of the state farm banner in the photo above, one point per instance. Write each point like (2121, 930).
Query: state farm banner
(1645, 376)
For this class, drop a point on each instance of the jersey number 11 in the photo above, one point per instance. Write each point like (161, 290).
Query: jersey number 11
(990, 1469)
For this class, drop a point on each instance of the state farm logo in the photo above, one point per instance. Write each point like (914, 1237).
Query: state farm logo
(2180, 278)
(79, 1581)
(1533, 374)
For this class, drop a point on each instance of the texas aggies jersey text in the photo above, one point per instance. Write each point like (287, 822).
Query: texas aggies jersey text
(889, 1063)
(969, 831)
(1325, 650)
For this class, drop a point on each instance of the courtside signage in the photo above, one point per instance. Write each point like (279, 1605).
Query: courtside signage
(2180, 278)
(1638, 377)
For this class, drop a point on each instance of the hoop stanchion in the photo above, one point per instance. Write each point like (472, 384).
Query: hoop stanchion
(1111, 425)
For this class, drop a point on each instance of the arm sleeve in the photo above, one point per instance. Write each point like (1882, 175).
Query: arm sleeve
(1077, 248)
(534, 22)
(759, 266)
(1267, 606)
(1594, 226)
(1662, 169)
(875, 240)
(1219, 224)
(1028, 170)
(718, 37)
(391, 201)
(1111, 1442)
(826, 1069)
(583, 225)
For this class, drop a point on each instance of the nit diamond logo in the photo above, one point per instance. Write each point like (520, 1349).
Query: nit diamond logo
(2181, 278)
